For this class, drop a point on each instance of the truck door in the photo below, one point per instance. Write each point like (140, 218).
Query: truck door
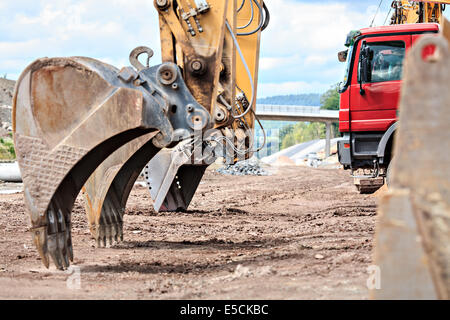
(375, 110)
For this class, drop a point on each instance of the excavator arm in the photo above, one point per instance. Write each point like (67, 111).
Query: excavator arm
(418, 11)
(80, 124)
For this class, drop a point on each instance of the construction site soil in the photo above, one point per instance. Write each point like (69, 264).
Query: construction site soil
(300, 233)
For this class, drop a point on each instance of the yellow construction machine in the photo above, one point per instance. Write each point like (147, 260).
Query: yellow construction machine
(418, 11)
(81, 124)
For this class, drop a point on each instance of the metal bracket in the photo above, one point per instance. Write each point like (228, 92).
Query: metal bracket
(376, 172)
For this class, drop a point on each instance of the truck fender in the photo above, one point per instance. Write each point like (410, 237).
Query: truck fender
(384, 141)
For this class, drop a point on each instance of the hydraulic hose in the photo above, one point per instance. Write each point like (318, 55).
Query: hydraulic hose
(261, 21)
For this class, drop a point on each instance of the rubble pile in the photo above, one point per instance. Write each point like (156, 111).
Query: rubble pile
(250, 167)
(5, 117)
(6, 91)
(6, 95)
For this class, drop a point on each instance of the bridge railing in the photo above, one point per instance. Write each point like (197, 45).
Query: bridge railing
(286, 109)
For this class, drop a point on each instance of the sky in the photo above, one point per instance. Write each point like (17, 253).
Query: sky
(298, 49)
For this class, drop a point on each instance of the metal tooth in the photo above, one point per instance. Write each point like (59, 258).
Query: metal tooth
(52, 222)
(40, 241)
(69, 242)
(52, 239)
(106, 221)
(116, 230)
(101, 235)
(62, 238)
(62, 250)
(52, 242)
(108, 231)
(103, 240)
(113, 217)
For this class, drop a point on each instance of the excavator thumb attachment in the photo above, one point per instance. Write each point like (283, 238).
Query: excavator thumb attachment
(412, 248)
(172, 179)
(69, 115)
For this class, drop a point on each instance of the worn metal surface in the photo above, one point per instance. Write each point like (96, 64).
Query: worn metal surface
(204, 48)
(172, 178)
(404, 270)
(69, 115)
(413, 232)
(107, 189)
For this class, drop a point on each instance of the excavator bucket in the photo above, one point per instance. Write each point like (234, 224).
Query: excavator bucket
(71, 114)
(412, 249)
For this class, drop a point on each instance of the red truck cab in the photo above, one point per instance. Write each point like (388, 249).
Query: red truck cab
(370, 92)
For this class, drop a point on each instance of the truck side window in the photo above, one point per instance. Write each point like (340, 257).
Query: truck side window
(387, 62)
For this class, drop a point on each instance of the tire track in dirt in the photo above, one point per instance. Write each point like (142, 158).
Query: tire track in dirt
(301, 233)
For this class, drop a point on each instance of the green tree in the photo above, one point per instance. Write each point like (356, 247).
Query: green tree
(284, 131)
(330, 99)
(303, 132)
(7, 151)
(288, 141)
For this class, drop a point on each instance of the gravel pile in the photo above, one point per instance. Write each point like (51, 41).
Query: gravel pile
(6, 91)
(250, 167)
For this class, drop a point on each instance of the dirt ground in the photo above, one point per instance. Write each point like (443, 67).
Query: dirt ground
(301, 233)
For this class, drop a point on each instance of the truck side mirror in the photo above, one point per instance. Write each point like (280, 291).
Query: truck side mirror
(342, 56)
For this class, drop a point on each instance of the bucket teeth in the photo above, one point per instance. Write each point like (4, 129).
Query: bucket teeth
(109, 229)
(108, 234)
(58, 244)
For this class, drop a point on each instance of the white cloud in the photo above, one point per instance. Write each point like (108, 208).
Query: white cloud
(316, 60)
(299, 48)
(298, 52)
(101, 29)
(269, 63)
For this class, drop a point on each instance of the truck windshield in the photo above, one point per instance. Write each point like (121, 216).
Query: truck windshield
(347, 67)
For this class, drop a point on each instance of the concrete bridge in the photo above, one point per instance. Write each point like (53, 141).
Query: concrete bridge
(299, 114)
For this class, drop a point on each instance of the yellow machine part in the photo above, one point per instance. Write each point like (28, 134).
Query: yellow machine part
(418, 11)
